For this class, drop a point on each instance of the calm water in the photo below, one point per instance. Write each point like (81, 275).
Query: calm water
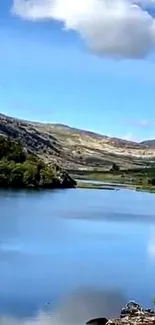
(67, 256)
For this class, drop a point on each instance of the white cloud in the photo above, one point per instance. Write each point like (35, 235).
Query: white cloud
(151, 249)
(151, 243)
(129, 137)
(142, 123)
(116, 28)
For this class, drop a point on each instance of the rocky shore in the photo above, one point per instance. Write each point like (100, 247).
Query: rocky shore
(131, 314)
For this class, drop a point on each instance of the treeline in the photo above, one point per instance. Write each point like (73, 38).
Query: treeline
(18, 169)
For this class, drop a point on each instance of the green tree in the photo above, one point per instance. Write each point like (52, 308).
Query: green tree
(18, 169)
(47, 177)
(16, 176)
(31, 176)
(11, 150)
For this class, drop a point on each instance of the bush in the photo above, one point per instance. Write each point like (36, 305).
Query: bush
(19, 170)
(31, 175)
(11, 150)
(47, 177)
(16, 176)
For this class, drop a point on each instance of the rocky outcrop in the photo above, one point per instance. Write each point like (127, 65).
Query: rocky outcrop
(131, 314)
(66, 181)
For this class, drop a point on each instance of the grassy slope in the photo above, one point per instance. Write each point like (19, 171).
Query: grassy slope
(75, 149)
(137, 179)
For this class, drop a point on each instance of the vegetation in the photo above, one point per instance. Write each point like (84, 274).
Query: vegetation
(139, 178)
(18, 169)
(21, 170)
(99, 186)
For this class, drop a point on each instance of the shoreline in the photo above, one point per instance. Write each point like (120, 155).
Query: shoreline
(137, 180)
(114, 186)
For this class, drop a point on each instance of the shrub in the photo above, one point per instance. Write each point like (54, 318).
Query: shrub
(19, 170)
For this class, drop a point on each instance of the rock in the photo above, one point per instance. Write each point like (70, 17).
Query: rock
(131, 314)
(66, 181)
(97, 321)
(134, 314)
(134, 320)
(130, 308)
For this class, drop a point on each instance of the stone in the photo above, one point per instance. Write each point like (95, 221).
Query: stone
(66, 181)
(97, 321)
(131, 307)
(131, 314)
(134, 314)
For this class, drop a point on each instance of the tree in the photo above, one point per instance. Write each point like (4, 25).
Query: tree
(18, 169)
(16, 176)
(31, 175)
(47, 177)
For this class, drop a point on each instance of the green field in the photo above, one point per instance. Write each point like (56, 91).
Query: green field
(140, 179)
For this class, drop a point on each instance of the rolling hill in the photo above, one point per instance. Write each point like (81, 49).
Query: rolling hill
(149, 143)
(76, 149)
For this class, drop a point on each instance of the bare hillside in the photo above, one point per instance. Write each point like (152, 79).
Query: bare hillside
(73, 148)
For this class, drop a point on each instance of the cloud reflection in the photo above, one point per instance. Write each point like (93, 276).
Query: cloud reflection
(151, 243)
(76, 309)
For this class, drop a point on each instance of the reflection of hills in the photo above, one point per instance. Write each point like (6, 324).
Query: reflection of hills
(76, 309)
(9, 225)
(89, 303)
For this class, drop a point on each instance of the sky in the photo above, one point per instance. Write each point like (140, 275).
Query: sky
(88, 64)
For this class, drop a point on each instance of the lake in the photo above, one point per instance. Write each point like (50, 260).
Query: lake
(70, 255)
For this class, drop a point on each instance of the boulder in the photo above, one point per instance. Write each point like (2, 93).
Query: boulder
(131, 308)
(131, 314)
(97, 321)
(134, 314)
(66, 181)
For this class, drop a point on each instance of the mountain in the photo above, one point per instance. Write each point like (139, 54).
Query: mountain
(75, 149)
(149, 143)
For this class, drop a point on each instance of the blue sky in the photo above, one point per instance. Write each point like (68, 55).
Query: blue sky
(49, 74)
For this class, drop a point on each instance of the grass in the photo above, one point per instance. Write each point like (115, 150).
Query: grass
(133, 179)
(149, 189)
(95, 186)
(117, 178)
(140, 188)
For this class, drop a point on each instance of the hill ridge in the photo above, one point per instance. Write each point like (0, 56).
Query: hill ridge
(75, 148)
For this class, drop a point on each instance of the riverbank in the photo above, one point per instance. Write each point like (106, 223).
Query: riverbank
(138, 179)
(116, 187)
(101, 186)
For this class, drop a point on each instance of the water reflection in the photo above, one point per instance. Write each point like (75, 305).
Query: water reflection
(151, 243)
(55, 242)
(76, 309)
